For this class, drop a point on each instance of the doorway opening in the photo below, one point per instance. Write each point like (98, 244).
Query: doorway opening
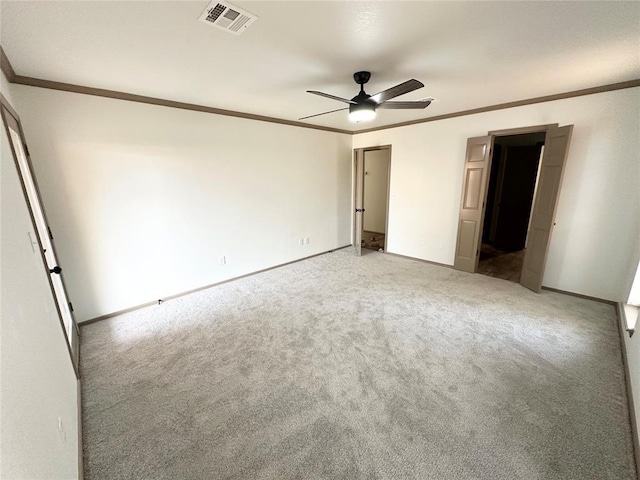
(546, 189)
(510, 194)
(376, 182)
(372, 175)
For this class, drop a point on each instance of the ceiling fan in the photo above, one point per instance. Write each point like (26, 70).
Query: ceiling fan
(363, 107)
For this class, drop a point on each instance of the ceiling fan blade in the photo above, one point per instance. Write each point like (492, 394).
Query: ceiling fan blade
(324, 113)
(406, 105)
(401, 89)
(340, 99)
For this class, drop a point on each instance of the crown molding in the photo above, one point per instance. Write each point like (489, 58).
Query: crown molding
(5, 66)
(68, 87)
(520, 103)
(99, 92)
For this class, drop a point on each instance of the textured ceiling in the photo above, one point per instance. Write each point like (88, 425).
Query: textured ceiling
(468, 54)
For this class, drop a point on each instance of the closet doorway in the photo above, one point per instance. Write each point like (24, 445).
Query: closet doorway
(372, 173)
(513, 215)
(512, 181)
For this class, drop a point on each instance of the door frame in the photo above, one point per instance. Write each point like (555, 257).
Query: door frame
(493, 134)
(73, 355)
(522, 130)
(358, 153)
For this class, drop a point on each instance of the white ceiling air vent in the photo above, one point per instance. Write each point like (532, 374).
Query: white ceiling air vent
(228, 17)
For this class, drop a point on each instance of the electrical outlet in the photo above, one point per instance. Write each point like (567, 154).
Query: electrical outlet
(222, 260)
(302, 241)
(306, 240)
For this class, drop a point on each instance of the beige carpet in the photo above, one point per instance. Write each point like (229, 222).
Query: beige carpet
(340, 367)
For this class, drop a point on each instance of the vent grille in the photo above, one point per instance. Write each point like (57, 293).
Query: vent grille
(227, 17)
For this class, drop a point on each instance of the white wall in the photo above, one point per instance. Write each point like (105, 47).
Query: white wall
(376, 180)
(144, 200)
(38, 384)
(598, 219)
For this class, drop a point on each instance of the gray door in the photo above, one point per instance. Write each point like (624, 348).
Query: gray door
(474, 188)
(556, 146)
(43, 240)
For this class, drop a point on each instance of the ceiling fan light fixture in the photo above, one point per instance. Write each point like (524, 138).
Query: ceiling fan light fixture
(363, 112)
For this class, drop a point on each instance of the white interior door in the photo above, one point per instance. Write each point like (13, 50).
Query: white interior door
(43, 239)
(556, 147)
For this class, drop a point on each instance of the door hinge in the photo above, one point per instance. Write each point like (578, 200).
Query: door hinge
(50, 234)
(71, 306)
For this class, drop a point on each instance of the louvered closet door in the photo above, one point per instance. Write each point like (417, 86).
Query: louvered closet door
(474, 189)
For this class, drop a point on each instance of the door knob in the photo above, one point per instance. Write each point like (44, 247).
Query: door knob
(55, 269)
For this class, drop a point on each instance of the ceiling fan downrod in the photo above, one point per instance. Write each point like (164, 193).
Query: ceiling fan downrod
(361, 78)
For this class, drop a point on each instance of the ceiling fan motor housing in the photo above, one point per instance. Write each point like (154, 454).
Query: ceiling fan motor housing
(363, 110)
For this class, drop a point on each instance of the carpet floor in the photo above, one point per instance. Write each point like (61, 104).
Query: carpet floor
(344, 367)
